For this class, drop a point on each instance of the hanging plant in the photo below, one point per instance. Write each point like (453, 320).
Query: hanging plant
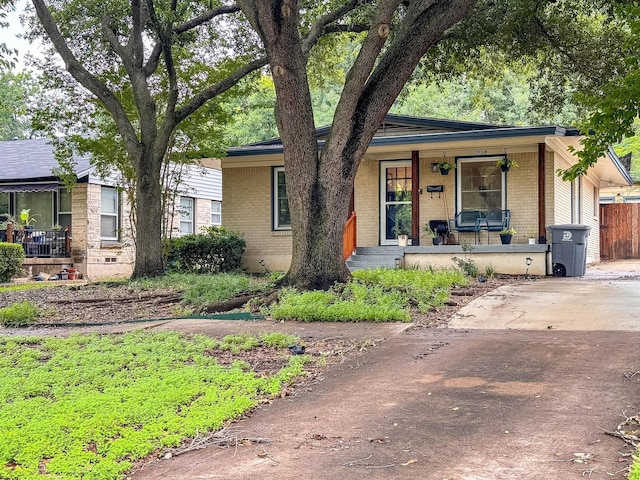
(445, 167)
(506, 163)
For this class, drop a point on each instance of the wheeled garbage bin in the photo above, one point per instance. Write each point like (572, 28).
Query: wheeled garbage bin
(569, 249)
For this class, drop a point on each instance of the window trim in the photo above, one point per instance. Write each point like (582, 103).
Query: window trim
(473, 159)
(275, 220)
(111, 215)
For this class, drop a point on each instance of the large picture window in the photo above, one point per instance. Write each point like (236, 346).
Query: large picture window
(480, 184)
(281, 215)
(40, 206)
(109, 213)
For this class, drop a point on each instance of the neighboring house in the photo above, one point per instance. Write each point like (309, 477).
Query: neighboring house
(399, 176)
(88, 228)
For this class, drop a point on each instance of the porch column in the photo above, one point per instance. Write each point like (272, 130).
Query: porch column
(415, 197)
(541, 189)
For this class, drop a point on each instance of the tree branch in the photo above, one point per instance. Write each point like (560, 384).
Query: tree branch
(86, 79)
(325, 20)
(205, 17)
(220, 87)
(359, 28)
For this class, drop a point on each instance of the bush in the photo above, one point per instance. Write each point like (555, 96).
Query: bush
(11, 257)
(215, 250)
(19, 314)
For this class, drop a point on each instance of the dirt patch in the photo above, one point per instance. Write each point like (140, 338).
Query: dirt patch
(99, 304)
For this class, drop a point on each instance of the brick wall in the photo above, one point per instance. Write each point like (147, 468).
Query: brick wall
(247, 209)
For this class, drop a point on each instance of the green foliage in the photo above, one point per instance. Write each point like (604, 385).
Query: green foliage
(381, 295)
(278, 339)
(11, 258)
(87, 407)
(19, 314)
(16, 89)
(468, 266)
(215, 250)
(199, 290)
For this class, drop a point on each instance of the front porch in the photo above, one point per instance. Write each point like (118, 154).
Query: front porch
(513, 259)
(46, 251)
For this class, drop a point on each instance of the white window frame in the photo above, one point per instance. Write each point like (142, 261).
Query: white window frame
(115, 214)
(186, 215)
(277, 224)
(463, 160)
(216, 212)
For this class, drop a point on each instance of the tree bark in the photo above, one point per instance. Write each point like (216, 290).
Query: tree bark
(319, 185)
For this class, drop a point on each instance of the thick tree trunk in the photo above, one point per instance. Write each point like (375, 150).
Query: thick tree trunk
(149, 260)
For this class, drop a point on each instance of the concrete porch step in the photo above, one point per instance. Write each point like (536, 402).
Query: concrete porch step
(373, 257)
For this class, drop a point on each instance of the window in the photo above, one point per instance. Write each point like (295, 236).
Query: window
(109, 209)
(4, 206)
(216, 212)
(40, 206)
(186, 215)
(480, 184)
(64, 209)
(281, 215)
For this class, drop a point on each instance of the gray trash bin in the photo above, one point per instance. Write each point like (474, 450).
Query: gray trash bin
(569, 249)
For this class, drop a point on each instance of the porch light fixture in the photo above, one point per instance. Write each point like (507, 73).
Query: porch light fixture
(434, 167)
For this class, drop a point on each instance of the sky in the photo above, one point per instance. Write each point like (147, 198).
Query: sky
(10, 35)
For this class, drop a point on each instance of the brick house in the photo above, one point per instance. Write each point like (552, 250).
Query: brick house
(88, 228)
(399, 176)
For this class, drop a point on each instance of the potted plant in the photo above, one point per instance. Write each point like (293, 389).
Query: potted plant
(402, 233)
(532, 232)
(445, 167)
(505, 163)
(26, 219)
(506, 235)
(431, 233)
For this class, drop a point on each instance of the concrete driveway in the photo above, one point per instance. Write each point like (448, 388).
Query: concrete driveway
(607, 298)
(466, 403)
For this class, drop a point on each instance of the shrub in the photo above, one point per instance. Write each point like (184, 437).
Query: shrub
(19, 314)
(11, 257)
(214, 250)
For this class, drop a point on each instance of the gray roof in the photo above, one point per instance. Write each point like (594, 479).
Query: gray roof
(31, 160)
(407, 130)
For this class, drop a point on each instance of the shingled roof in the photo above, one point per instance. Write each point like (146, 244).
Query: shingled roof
(32, 160)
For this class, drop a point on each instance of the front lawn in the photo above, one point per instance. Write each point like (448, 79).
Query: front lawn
(88, 406)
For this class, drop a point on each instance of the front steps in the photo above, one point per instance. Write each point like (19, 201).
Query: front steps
(368, 258)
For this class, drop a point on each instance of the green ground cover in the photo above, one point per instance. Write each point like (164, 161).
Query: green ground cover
(88, 406)
(380, 295)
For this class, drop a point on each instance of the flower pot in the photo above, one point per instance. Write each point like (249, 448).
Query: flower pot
(505, 238)
(403, 240)
(532, 241)
(72, 276)
(504, 168)
(444, 171)
(436, 240)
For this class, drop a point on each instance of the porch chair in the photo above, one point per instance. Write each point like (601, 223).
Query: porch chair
(495, 221)
(468, 221)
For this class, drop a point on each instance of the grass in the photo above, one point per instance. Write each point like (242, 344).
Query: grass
(88, 406)
(381, 295)
(201, 290)
(19, 314)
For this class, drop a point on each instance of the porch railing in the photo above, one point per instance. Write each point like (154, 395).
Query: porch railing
(39, 243)
(349, 237)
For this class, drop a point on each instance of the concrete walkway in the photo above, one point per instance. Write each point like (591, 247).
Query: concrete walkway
(459, 403)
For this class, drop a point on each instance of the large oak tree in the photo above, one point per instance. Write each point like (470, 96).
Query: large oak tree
(392, 36)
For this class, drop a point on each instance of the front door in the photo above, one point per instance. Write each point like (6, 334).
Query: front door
(395, 200)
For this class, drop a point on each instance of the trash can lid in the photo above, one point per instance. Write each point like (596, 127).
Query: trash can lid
(569, 226)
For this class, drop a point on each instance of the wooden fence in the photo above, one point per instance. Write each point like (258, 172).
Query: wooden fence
(619, 231)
